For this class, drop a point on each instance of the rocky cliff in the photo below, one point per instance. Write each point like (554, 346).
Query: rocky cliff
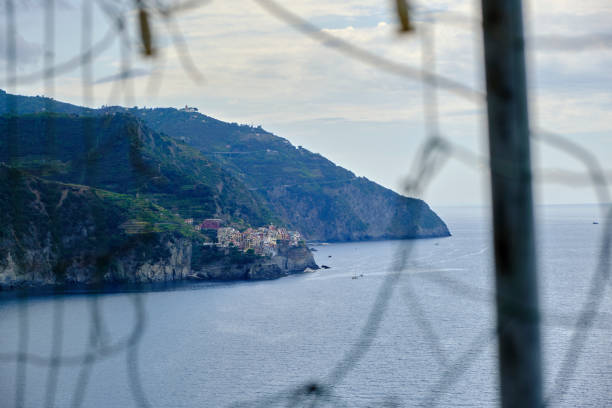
(61, 234)
(54, 233)
(288, 260)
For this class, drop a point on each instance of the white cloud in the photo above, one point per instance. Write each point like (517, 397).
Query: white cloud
(27, 53)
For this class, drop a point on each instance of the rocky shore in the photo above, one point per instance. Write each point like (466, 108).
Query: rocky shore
(173, 263)
(287, 261)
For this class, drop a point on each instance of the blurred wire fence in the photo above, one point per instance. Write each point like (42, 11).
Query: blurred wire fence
(140, 26)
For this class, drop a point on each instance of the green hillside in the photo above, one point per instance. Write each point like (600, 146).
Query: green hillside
(301, 189)
(116, 152)
(306, 190)
(56, 227)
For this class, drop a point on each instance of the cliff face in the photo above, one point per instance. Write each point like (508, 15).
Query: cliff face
(55, 233)
(288, 261)
(39, 266)
(60, 234)
(354, 211)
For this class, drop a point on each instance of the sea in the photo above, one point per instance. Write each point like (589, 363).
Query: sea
(388, 324)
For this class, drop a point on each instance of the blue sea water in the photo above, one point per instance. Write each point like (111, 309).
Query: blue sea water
(214, 344)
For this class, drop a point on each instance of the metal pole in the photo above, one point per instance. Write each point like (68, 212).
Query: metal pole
(516, 283)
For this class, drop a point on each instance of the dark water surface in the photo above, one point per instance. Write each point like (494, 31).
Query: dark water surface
(212, 345)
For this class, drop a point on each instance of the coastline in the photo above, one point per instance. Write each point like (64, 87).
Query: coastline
(178, 265)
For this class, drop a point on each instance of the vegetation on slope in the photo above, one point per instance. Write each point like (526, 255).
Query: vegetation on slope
(303, 190)
(117, 153)
(306, 190)
(49, 226)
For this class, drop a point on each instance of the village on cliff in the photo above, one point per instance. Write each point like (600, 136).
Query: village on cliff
(262, 240)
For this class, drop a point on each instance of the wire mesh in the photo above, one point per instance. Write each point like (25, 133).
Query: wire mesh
(435, 152)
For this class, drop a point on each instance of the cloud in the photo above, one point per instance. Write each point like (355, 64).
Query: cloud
(573, 43)
(133, 73)
(27, 52)
(27, 6)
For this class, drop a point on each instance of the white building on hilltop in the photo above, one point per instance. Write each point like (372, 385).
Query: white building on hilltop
(189, 109)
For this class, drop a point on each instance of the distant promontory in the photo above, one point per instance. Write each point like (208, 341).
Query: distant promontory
(116, 194)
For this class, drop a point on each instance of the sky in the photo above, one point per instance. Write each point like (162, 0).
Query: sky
(255, 68)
